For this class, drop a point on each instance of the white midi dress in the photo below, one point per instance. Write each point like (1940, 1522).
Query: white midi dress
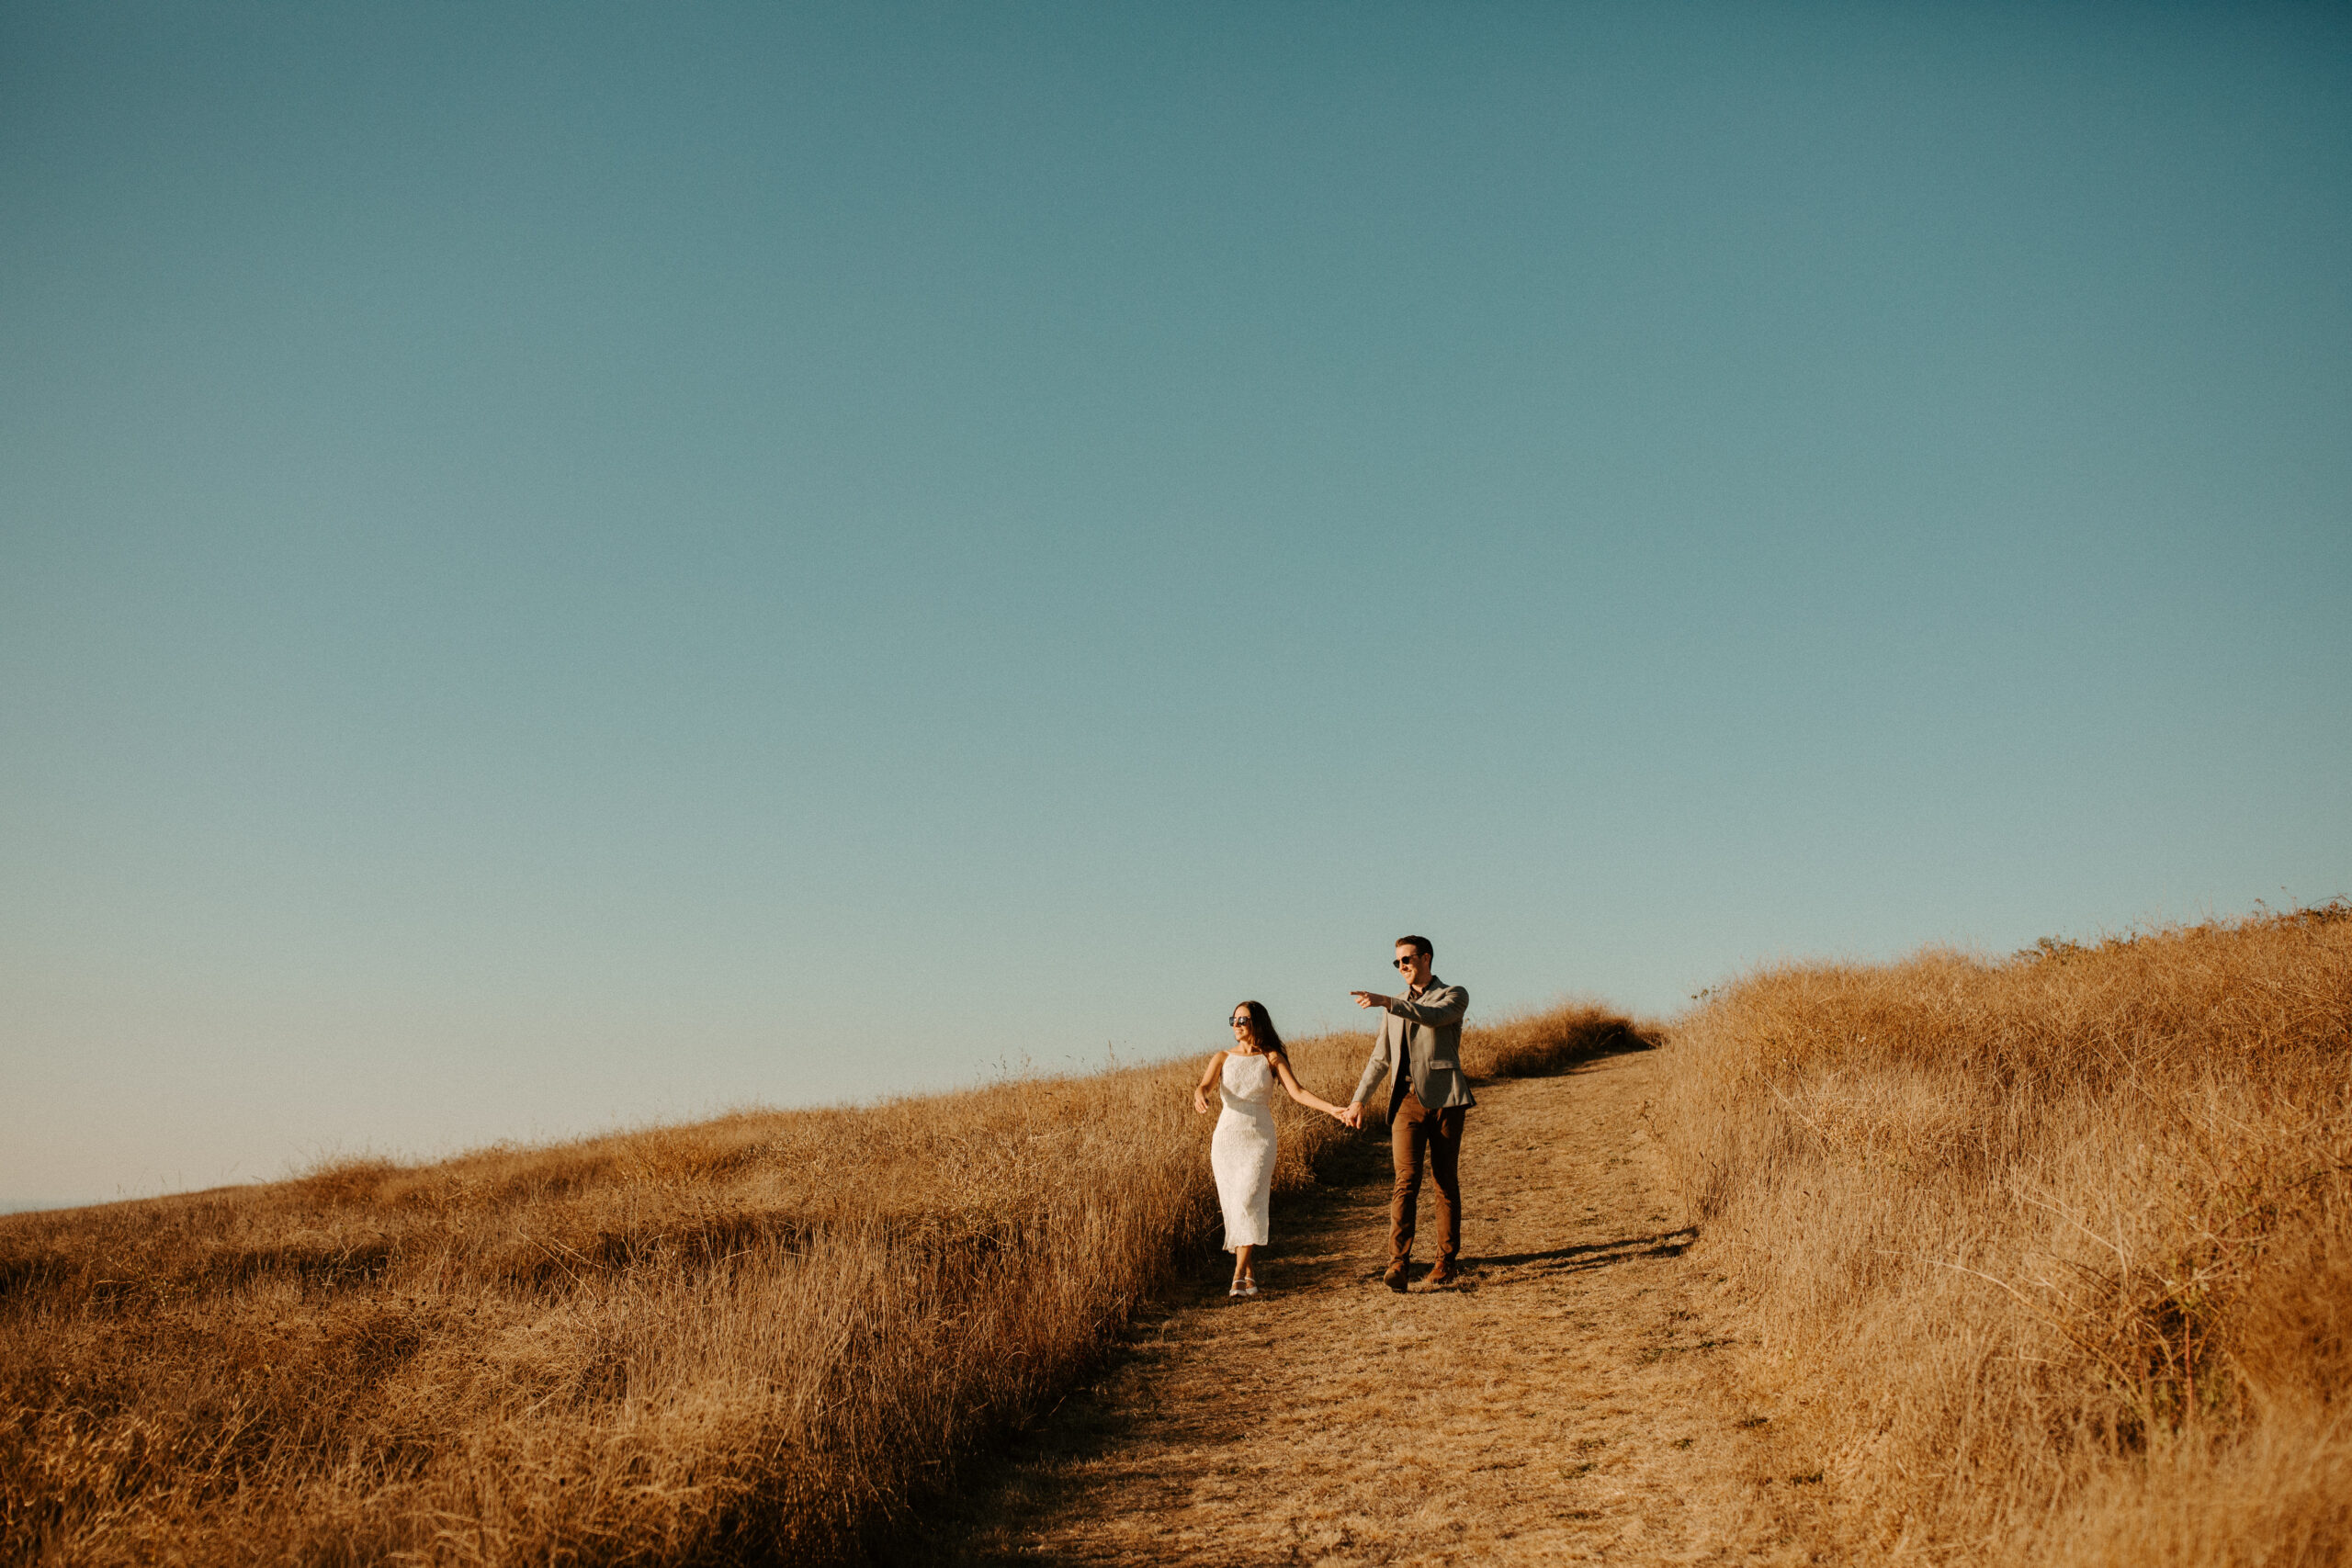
(1242, 1150)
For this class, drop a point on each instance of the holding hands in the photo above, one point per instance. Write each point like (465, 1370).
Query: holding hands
(1353, 1115)
(1250, 1042)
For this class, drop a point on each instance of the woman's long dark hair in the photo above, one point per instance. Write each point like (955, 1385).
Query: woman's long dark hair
(1261, 1027)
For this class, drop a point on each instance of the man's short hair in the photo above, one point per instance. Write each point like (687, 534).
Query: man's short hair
(1420, 944)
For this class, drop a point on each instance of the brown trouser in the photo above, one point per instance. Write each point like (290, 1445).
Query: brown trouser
(1412, 1128)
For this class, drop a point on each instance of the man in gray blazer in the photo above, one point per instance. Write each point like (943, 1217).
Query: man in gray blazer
(1419, 1047)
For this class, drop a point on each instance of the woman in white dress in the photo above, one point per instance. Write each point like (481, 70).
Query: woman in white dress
(1241, 1151)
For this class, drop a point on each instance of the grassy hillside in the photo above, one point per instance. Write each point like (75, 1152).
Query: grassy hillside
(766, 1336)
(2042, 1259)
(2052, 1255)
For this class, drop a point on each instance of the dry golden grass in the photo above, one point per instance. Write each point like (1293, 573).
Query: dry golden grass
(765, 1336)
(2045, 1259)
(2052, 1255)
(1540, 1045)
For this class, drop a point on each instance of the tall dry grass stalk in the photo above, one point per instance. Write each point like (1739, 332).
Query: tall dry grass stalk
(765, 1338)
(2052, 1255)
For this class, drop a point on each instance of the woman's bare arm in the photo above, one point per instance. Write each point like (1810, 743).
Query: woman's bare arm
(1208, 1077)
(1281, 1062)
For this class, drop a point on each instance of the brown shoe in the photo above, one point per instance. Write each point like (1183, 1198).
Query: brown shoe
(1394, 1277)
(1445, 1273)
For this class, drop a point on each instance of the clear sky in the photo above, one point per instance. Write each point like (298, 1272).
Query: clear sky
(563, 566)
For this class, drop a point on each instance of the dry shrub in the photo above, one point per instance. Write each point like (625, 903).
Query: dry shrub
(1544, 1045)
(763, 1338)
(2052, 1255)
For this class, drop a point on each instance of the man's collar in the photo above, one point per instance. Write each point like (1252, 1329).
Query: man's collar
(1411, 990)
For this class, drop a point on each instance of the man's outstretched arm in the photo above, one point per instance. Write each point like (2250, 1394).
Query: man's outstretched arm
(1437, 1006)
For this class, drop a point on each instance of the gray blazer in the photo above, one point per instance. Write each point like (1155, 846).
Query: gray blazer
(1426, 1031)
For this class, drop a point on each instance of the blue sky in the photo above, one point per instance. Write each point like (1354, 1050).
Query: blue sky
(564, 566)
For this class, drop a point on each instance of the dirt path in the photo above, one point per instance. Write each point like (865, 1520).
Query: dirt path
(1562, 1404)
